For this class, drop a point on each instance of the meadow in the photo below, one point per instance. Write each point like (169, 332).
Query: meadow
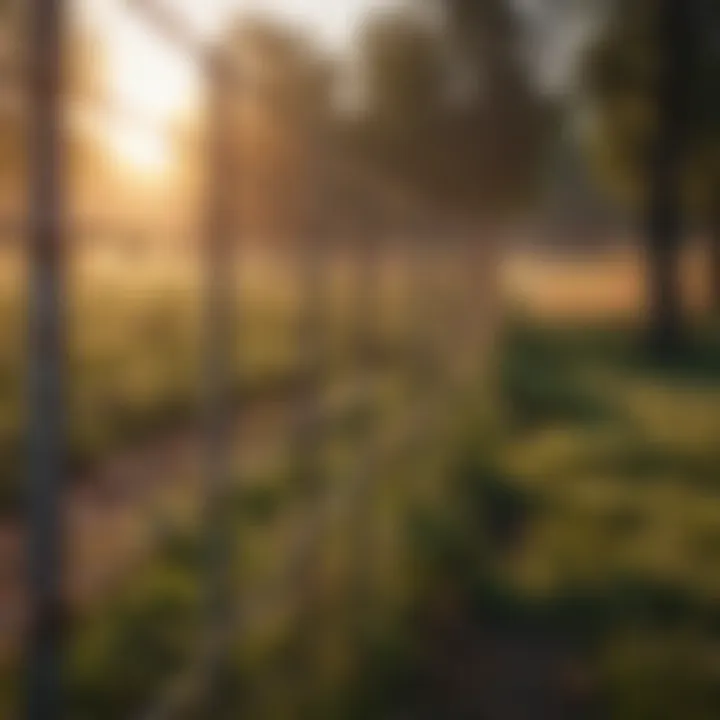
(357, 358)
(135, 344)
(564, 542)
(548, 542)
(582, 550)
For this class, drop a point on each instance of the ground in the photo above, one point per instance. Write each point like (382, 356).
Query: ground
(576, 574)
(559, 561)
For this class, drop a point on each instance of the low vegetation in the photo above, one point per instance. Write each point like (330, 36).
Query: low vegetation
(582, 531)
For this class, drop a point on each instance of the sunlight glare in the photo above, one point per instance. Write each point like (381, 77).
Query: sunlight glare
(142, 150)
(155, 82)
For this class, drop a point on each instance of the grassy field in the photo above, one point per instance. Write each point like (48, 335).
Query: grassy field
(134, 374)
(558, 545)
(580, 557)
(569, 539)
(134, 335)
(127, 653)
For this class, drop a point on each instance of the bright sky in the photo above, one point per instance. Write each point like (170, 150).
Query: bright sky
(157, 82)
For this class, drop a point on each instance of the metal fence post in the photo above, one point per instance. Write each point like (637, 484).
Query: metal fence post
(46, 361)
(218, 351)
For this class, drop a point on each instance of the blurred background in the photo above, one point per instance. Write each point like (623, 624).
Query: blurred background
(359, 359)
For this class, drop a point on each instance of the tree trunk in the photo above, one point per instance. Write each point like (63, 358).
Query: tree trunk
(664, 231)
(663, 257)
(714, 254)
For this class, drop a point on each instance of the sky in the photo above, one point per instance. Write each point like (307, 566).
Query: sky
(158, 81)
(138, 57)
(560, 29)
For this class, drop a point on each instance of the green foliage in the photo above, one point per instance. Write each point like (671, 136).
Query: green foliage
(123, 655)
(451, 106)
(133, 360)
(621, 76)
(260, 504)
(612, 554)
(400, 73)
(653, 676)
(543, 384)
(589, 540)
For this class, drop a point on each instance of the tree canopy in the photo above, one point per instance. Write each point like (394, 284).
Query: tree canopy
(622, 75)
(450, 103)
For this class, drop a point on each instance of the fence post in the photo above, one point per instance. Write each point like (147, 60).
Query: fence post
(366, 246)
(309, 423)
(219, 352)
(46, 361)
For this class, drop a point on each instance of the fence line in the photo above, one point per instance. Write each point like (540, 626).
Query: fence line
(385, 209)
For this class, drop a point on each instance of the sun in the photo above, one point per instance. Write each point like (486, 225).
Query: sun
(143, 151)
(149, 84)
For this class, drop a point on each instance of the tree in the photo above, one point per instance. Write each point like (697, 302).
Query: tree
(449, 103)
(401, 86)
(652, 86)
(503, 126)
(704, 136)
(82, 87)
(281, 118)
(12, 120)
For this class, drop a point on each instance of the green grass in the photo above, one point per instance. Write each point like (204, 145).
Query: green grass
(125, 650)
(579, 501)
(134, 351)
(586, 511)
(579, 507)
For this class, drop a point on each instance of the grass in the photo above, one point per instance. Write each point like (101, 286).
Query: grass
(583, 518)
(134, 350)
(572, 515)
(124, 650)
(573, 512)
(133, 374)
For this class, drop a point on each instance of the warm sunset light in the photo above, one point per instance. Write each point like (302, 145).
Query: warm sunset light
(148, 81)
(144, 151)
(155, 82)
(359, 359)
(151, 87)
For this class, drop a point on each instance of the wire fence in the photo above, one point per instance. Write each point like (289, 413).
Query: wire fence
(382, 309)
